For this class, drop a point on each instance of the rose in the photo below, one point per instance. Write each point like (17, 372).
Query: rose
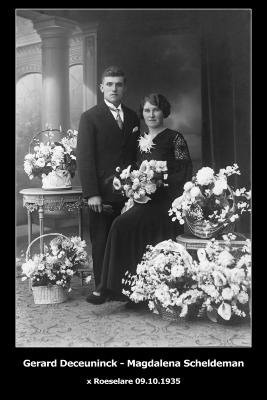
(205, 176)
(242, 297)
(150, 188)
(40, 162)
(195, 191)
(219, 186)
(237, 275)
(227, 294)
(188, 186)
(225, 258)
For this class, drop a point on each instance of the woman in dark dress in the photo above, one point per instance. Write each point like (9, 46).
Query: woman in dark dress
(148, 223)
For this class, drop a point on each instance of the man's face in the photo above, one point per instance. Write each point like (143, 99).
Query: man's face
(113, 88)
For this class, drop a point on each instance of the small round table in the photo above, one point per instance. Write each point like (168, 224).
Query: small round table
(49, 202)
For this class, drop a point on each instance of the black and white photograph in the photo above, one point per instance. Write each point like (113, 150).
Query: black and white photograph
(133, 179)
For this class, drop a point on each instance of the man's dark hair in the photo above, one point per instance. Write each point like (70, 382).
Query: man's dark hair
(113, 71)
(157, 100)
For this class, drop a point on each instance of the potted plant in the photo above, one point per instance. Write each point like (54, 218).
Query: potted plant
(50, 272)
(53, 162)
(165, 279)
(209, 205)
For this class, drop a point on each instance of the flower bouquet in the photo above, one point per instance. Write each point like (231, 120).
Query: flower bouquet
(54, 268)
(208, 205)
(165, 278)
(138, 185)
(223, 274)
(53, 162)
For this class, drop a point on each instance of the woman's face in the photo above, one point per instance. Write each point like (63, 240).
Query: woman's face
(153, 115)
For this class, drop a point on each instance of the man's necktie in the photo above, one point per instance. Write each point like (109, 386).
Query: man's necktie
(118, 117)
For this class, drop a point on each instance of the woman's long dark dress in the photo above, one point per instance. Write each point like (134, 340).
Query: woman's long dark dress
(148, 223)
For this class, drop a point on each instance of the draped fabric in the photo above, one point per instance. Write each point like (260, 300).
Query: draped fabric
(226, 97)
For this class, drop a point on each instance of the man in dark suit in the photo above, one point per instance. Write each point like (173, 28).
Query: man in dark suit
(107, 138)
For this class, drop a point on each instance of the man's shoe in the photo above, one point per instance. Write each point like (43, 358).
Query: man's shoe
(93, 299)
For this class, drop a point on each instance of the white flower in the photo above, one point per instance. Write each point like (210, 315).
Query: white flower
(29, 157)
(188, 186)
(160, 166)
(219, 186)
(146, 143)
(234, 217)
(227, 294)
(195, 191)
(28, 168)
(177, 271)
(125, 173)
(116, 183)
(205, 176)
(242, 297)
(225, 258)
(177, 203)
(151, 187)
(219, 278)
(40, 162)
(237, 275)
(29, 268)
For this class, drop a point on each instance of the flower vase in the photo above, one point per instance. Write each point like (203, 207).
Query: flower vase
(56, 180)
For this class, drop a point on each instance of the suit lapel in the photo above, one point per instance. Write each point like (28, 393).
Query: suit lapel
(107, 115)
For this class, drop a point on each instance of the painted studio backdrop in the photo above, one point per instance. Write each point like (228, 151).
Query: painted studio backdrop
(199, 59)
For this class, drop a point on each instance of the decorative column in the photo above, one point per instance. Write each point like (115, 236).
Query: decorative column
(55, 33)
(89, 66)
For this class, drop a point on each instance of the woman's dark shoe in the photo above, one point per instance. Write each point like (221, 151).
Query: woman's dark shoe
(93, 299)
(118, 297)
(131, 305)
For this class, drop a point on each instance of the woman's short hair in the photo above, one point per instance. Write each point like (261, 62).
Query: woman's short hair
(157, 100)
(113, 70)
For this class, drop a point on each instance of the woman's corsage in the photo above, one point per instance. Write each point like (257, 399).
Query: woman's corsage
(146, 143)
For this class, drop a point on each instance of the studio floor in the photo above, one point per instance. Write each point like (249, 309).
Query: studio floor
(76, 323)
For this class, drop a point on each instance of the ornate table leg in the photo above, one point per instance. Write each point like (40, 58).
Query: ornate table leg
(29, 226)
(41, 224)
(80, 221)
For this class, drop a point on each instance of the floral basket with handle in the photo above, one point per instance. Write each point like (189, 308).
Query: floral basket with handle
(168, 314)
(205, 229)
(52, 158)
(51, 270)
(209, 206)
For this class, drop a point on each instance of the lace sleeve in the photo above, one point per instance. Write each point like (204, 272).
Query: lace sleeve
(182, 166)
(181, 151)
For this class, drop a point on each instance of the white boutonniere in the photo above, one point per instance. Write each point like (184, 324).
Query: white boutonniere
(135, 129)
(146, 143)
